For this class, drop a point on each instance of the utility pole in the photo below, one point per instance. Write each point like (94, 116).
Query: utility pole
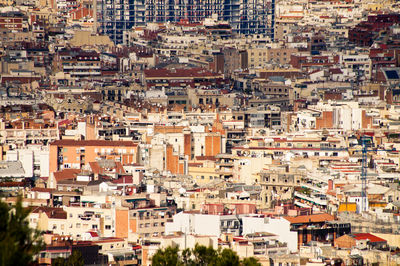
(364, 175)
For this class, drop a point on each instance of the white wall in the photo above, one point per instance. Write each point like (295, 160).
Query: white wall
(279, 227)
(198, 224)
(208, 225)
(44, 158)
(81, 130)
(181, 223)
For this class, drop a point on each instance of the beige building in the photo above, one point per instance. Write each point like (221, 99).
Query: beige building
(257, 57)
(203, 172)
(279, 182)
(87, 38)
(281, 55)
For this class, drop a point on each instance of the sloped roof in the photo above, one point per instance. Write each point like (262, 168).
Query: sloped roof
(313, 218)
(372, 238)
(54, 213)
(83, 143)
(66, 174)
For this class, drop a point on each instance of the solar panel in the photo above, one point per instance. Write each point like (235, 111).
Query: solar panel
(392, 74)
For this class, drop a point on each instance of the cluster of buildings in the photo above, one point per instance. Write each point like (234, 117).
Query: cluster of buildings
(268, 127)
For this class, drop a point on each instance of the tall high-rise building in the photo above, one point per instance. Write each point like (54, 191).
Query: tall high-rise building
(114, 17)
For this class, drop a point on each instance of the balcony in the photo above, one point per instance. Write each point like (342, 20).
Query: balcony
(224, 171)
(312, 199)
(314, 188)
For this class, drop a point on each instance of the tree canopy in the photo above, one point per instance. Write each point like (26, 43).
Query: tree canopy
(200, 255)
(18, 242)
(75, 259)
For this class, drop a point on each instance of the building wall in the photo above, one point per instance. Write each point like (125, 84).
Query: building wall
(181, 223)
(75, 156)
(122, 223)
(207, 225)
(325, 121)
(257, 57)
(345, 242)
(280, 227)
(53, 158)
(203, 175)
(172, 160)
(78, 226)
(280, 55)
(212, 145)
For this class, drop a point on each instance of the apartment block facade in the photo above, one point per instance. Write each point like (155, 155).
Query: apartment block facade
(245, 17)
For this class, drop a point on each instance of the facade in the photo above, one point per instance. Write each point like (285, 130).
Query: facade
(115, 17)
(66, 154)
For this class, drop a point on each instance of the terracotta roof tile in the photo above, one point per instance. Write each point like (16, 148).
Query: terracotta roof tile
(66, 174)
(313, 218)
(82, 143)
(42, 189)
(370, 237)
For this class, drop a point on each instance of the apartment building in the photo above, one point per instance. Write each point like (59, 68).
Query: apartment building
(27, 131)
(117, 16)
(279, 182)
(66, 154)
(78, 63)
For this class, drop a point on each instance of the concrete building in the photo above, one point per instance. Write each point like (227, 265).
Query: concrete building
(115, 17)
(66, 154)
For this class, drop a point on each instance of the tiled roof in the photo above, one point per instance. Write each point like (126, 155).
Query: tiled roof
(66, 174)
(313, 218)
(55, 213)
(82, 143)
(123, 180)
(42, 189)
(191, 72)
(370, 237)
(96, 169)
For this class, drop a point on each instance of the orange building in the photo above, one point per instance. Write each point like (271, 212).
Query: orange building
(66, 154)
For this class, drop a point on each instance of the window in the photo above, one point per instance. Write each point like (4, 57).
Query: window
(108, 227)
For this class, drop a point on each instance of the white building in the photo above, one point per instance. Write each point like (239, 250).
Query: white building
(215, 225)
(278, 226)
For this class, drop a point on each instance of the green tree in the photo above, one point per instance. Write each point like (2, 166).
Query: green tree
(75, 259)
(186, 257)
(200, 255)
(167, 257)
(204, 255)
(251, 261)
(18, 242)
(227, 257)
